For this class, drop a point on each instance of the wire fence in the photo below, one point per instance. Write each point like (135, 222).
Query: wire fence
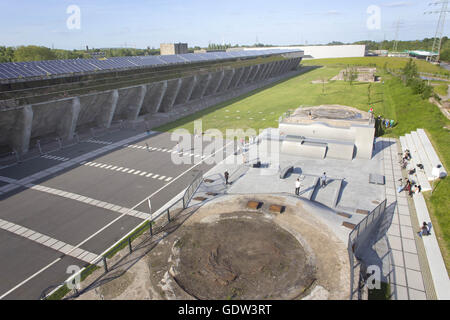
(153, 227)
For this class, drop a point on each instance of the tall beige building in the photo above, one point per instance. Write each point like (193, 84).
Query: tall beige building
(173, 48)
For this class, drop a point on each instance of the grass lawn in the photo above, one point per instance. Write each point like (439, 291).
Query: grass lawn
(392, 63)
(262, 108)
(441, 89)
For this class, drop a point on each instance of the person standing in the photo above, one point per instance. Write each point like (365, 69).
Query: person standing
(324, 179)
(297, 187)
(227, 176)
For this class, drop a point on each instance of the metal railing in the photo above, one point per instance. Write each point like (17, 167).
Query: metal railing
(154, 226)
(190, 191)
(359, 237)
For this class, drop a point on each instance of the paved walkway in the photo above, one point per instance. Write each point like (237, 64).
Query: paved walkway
(411, 279)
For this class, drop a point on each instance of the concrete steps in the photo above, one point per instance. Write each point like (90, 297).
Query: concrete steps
(415, 160)
(423, 158)
(430, 152)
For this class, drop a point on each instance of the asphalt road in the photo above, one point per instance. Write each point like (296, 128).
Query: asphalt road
(122, 178)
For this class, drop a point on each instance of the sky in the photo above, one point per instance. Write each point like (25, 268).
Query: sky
(147, 23)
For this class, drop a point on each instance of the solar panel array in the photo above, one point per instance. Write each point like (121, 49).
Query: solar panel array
(24, 70)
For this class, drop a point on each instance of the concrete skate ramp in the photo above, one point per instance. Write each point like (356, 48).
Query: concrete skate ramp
(304, 149)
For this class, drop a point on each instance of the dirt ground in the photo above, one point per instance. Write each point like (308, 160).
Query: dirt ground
(224, 251)
(241, 257)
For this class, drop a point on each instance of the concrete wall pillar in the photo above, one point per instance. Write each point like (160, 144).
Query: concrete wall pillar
(134, 110)
(201, 84)
(271, 69)
(253, 73)
(278, 68)
(68, 124)
(173, 88)
(266, 73)
(187, 87)
(216, 79)
(207, 81)
(245, 76)
(105, 117)
(222, 76)
(153, 98)
(260, 73)
(236, 78)
(229, 75)
(21, 134)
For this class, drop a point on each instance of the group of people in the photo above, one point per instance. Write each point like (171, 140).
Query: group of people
(409, 187)
(387, 123)
(406, 157)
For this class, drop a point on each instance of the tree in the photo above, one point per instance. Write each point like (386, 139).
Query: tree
(6, 54)
(33, 53)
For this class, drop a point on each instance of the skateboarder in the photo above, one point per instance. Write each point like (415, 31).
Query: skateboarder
(324, 179)
(297, 187)
(227, 175)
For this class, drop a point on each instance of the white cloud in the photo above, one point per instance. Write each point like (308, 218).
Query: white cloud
(397, 4)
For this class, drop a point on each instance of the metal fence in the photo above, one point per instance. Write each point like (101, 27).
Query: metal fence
(190, 191)
(153, 227)
(359, 240)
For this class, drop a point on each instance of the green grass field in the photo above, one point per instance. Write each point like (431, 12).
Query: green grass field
(261, 109)
(392, 63)
(441, 89)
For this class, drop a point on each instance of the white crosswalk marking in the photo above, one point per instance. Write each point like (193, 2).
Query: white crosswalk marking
(127, 170)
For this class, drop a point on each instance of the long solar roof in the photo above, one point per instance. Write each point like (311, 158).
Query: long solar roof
(33, 69)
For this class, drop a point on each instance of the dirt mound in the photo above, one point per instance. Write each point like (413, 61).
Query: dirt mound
(242, 258)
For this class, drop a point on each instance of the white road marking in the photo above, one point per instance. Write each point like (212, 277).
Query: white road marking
(45, 240)
(107, 226)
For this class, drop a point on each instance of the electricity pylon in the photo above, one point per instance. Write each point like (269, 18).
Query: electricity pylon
(439, 30)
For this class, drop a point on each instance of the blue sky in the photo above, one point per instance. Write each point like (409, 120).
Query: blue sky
(142, 23)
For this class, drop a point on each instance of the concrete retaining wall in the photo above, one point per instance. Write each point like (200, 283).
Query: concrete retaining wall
(61, 118)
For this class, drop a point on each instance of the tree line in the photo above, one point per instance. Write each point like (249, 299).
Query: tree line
(38, 53)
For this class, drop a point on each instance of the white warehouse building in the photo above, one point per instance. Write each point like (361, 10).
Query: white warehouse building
(323, 52)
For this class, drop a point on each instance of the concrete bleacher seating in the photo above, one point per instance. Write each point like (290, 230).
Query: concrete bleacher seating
(430, 152)
(424, 160)
(415, 160)
(422, 152)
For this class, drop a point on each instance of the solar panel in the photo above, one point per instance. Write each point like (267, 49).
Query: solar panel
(16, 70)
(172, 59)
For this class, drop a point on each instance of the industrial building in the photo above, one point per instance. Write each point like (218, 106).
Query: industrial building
(173, 48)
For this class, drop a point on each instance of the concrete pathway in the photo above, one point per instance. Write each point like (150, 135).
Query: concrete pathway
(410, 280)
